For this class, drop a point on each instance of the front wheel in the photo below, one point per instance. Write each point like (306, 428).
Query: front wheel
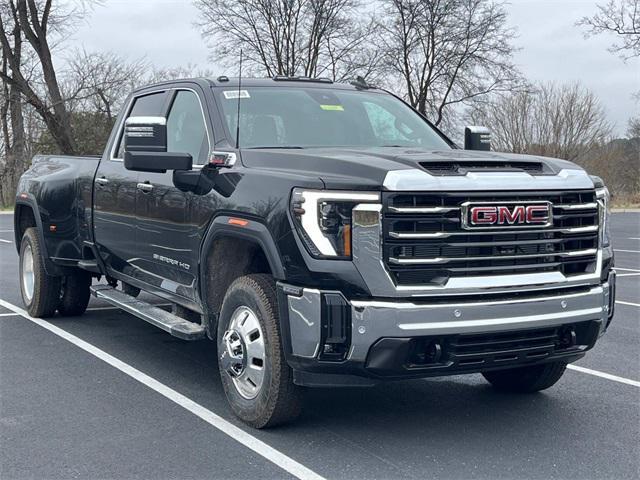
(257, 381)
(40, 291)
(526, 379)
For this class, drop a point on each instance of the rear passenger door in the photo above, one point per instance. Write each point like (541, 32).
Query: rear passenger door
(167, 235)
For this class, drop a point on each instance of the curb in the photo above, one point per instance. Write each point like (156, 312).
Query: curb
(10, 212)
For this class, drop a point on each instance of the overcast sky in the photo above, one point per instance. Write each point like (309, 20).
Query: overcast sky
(552, 47)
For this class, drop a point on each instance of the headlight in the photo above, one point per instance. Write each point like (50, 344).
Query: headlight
(323, 219)
(604, 198)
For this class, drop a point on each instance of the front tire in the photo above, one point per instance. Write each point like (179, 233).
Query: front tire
(526, 379)
(257, 381)
(40, 291)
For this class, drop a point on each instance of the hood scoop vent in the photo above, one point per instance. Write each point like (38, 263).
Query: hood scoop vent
(463, 167)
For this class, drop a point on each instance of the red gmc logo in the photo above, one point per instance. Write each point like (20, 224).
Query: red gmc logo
(507, 215)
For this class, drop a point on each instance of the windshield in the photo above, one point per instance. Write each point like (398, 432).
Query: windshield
(279, 117)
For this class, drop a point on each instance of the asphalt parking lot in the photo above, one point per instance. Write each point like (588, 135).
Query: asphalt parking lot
(107, 395)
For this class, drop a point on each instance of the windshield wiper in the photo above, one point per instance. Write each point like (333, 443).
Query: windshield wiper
(277, 146)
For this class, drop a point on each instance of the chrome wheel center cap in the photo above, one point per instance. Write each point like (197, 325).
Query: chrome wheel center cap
(233, 358)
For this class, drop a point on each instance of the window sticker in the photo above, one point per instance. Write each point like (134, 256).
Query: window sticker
(333, 108)
(231, 94)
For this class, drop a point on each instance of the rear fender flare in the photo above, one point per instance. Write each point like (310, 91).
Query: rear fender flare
(30, 203)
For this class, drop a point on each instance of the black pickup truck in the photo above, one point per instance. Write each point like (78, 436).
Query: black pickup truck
(322, 234)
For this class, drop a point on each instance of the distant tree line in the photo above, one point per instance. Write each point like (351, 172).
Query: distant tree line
(450, 59)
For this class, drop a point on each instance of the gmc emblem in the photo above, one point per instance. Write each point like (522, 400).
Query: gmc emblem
(511, 215)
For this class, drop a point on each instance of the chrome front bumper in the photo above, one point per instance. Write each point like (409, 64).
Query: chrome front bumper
(375, 319)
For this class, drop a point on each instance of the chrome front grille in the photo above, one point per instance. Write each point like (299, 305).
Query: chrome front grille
(424, 242)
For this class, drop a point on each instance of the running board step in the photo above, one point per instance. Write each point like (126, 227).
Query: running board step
(167, 321)
(90, 265)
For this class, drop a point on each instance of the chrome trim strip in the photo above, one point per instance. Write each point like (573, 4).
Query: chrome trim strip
(423, 209)
(426, 235)
(403, 305)
(578, 206)
(427, 261)
(156, 120)
(503, 322)
(414, 179)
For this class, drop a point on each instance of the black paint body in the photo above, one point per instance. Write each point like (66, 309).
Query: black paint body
(95, 204)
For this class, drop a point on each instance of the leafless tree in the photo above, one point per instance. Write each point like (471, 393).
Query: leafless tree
(633, 129)
(100, 82)
(34, 19)
(189, 70)
(313, 38)
(621, 18)
(447, 52)
(563, 121)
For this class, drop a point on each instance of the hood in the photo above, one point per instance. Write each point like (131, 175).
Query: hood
(376, 168)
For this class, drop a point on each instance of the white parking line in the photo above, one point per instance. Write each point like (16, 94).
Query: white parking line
(628, 275)
(626, 251)
(9, 315)
(634, 238)
(5, 241)
(275, 456)
(608, 376)
(6, 231)
(628, 303)
(626, 269)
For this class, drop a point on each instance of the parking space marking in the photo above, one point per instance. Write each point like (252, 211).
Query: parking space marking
(626, 269)
(5, 241)
(628, 303)
(6, 231)
(12, 314)
(626, 251)
(627, 275)
(608, 376)
(258, 446)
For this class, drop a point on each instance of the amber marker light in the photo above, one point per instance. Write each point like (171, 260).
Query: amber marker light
(238, 222)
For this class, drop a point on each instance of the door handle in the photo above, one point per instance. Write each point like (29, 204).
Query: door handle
(145, 187)
(102, 180)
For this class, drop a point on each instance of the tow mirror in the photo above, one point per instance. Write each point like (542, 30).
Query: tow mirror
(145, 147)
(477, 138)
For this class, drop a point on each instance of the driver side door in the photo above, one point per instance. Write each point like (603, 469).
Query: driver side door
(168, 237)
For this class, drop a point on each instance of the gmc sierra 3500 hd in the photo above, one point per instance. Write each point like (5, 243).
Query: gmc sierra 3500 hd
(341, 240)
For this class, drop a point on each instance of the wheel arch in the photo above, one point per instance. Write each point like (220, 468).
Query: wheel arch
(26, 215)
(233, 247)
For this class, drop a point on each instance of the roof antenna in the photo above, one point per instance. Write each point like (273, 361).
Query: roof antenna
(238, 113)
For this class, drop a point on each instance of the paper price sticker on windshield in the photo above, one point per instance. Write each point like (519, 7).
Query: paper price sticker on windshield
(334, 108)
(231, 94)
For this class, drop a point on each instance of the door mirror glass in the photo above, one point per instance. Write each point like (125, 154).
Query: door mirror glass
(477, 138)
